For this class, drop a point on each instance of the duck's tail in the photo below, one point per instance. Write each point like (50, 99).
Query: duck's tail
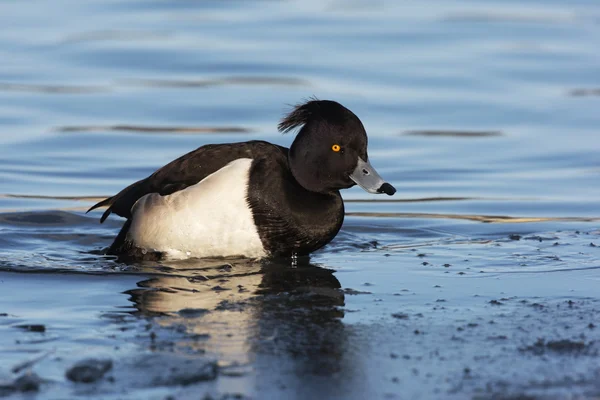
(106, 202)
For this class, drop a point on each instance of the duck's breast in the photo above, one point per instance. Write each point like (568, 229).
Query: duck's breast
(209, 219)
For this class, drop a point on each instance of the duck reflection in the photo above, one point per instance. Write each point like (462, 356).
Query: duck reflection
(247, 311)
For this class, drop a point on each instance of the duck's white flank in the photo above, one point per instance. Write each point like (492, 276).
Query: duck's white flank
(211, 218)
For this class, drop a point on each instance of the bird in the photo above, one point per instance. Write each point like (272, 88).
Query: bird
(250, 199)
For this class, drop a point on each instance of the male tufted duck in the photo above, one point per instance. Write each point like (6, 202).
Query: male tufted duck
(252, 199)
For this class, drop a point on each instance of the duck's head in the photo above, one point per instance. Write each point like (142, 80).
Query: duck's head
(330, 150)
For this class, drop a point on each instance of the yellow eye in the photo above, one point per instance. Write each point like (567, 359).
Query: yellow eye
(336, 147)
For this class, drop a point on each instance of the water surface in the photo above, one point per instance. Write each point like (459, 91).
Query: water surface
(477, 280)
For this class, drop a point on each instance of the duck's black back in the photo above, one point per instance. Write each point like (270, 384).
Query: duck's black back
(186, 171)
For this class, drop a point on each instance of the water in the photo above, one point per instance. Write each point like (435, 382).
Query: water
(477, 280)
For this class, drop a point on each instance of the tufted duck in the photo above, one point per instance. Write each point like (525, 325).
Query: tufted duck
(252, 199)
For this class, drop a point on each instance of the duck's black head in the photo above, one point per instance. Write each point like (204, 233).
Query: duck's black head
(330, 151)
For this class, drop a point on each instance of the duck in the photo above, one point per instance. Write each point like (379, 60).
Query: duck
(250, 199)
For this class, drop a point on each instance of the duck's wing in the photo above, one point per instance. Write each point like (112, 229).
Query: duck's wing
(183, 172)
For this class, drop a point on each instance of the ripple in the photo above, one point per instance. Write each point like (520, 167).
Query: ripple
(450, 133)
(417, 200)
(116, 35)
(519, 17)
(51, 89)
(43, 197)
(235, 80)
(43, 219)
(480, 218)
(585, 92)
(156, 129)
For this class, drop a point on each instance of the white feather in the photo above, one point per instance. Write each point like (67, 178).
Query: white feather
(209, 219)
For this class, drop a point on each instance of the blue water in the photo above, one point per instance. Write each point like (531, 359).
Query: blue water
(483, 114)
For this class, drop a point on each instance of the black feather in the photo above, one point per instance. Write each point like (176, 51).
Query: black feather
(299, 116)
(105, 214)
(105, 202)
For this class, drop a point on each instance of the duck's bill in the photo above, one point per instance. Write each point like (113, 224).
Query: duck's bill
(366, 177)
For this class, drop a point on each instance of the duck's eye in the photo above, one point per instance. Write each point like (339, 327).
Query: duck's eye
(336, 147)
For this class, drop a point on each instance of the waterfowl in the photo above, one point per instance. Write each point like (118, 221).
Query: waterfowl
(253, 199)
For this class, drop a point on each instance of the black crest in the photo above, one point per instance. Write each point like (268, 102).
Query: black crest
(299, 115)
(317, 110)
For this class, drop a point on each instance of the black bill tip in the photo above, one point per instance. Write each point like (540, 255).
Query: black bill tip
(387, 189)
